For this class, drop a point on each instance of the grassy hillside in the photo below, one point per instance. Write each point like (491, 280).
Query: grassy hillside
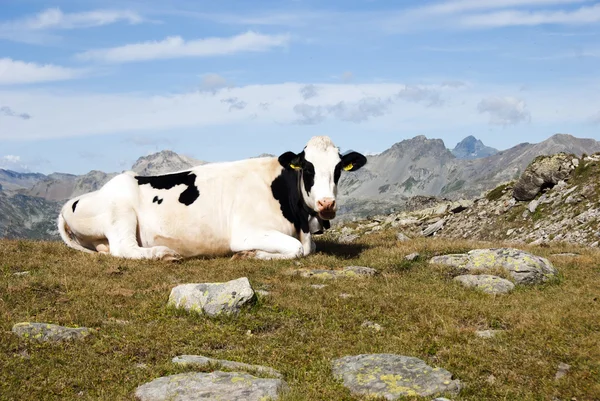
(297, 329)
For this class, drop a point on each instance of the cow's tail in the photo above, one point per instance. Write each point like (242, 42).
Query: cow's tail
(68, 236)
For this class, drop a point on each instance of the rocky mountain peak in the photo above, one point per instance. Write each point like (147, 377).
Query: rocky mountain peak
(472, 148)
(418, 145)
(165, 161)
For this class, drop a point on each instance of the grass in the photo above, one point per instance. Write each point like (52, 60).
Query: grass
(497, 192)
(297, 330)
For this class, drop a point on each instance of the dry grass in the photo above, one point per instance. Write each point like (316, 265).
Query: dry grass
(297, 329)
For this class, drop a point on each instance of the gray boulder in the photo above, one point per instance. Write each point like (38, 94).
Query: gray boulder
(203, 361)
(544, 171)
(217, 385)
(434, 228)
(392, 376)
(213, 299)
(348, 271)
(523, 267)
(486, 283)
(44, 332)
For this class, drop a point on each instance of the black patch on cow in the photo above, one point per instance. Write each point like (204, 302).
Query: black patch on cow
(157, 200)
(74, 205)
(307, 168)
(286, 191)
(168, 181)
(308, 176)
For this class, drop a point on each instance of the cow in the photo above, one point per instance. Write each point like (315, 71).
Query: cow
(263, 208)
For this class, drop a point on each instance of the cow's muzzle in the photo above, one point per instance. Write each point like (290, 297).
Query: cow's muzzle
(326, 208)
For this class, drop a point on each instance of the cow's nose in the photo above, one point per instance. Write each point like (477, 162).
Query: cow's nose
(326, 205)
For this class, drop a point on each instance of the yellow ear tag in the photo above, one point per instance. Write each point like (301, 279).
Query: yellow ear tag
(349, 167)
(295, 166)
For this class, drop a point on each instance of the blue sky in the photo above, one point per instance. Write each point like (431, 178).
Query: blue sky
(95, 86)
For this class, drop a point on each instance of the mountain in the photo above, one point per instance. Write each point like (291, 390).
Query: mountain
(421, 166)
(472, 148)
(410, 173)
(163, 162)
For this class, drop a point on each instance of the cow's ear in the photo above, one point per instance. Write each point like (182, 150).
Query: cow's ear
(291, 161)
(353, 161)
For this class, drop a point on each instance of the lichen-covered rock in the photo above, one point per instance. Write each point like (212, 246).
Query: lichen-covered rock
(213, 299)
(393, 376)
(217, 385)
(45, 332)
(348, 271)
(544, 171)
(203, 361)
(486, 283)
(523, 267)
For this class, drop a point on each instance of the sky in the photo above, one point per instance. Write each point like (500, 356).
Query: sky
(94, 85)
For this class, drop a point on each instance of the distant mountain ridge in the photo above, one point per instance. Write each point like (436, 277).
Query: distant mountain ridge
(472, 148)
(409, 172)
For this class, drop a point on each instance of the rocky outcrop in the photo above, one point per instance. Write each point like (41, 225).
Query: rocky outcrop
(543, 172)
(202, 361)
(217, 385)
(213, 299)
(486, 283)
(44, 332)
(393, 376)
(472, 148)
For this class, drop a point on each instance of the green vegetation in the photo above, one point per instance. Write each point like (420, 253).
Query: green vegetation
(497, 192)
(296, 329)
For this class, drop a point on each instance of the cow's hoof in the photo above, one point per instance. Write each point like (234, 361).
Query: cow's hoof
(167, 254)
(244, 255)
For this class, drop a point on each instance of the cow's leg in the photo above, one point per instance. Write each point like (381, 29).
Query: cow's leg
(122, 238)
(268, 245)
(307, 243)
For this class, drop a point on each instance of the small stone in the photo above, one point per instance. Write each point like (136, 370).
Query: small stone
(217, 385)
(360, 271)
(371, 325)
(563, 369)
(345, 296)
(402, 238)
(434, 228)
(203, 361)
(318, 286)
(412, 257)
(510, 232)
(263, 293)
(392, 376)
(45, 332)
(488, 333)
(442, 209)
(533, 205)
(486, 283)
(213, 299)
(348, 238)
(21, 274)
(441, 399)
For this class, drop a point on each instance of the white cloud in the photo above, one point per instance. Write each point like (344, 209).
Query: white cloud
(583, 15)
(505, 110)
(457, 6)
(213, 82)
(419, 94)
(263, 107)
(8, 112)
(309, 91)
(35, 28)
(14, 72)
(13, 163)
(177, 47)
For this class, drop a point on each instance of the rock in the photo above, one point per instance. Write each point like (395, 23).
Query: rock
(575, 162)
(441, 399)
(349, 271)
(488, 333)
(348, 238)
(412, 257)
(392, 376)
(566, 254)
(345, 296)
(442, 209)
(544, 171)
(523, 267)
(533, 205)
(434, 228)
(563, 369)
(405, 222)
(203, 361)
(460, 205)
(263, 293)
(318, 286)
(44, 332)
(402, 238)
(486, 283)
(214, 386)
(21, 274)
(213, 299)
(371, 325)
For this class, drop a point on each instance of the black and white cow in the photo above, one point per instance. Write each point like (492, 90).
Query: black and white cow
(265, 208)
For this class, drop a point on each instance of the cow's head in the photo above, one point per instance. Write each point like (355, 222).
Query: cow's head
(320, 166)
